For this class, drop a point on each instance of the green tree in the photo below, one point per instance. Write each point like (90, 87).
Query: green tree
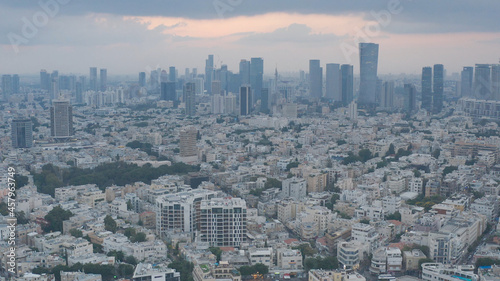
(55, 219)
(391, 150)
(110, 224)
(436, 153)
(20, 180)
(139, 237)
(449, 169)
(76, 232)
(131, 260)
(217, 252)
(130, 207)
(119, 255)
(365, 221)
(394, 216)
(365, 154)
(21, 218)
(130, 232)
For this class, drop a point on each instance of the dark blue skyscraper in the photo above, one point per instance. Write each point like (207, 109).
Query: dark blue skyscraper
(93, 79)
(171, 74)
(103, 75)
(482, 82)
(347, 78)
(466, 81)
(410, 98)
(209, 72)
(315, 79)
(427, 88)
(6, 86)
(22, 135)
(245, 100)
(368, 59)
(168, 91)
(15, 84)
(79, 92)
(189, 98)
(437, 87)
(142, 79)
(44, 80)
(256, 77)
(244, 72)
(333, 82)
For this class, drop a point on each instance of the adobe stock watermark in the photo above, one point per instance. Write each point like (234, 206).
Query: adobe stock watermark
(39, 19)
(223, 6)
(382, 19)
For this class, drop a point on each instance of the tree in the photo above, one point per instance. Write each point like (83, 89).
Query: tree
(395, 216)
(365, 221)
(391, 150)
(131, 260)
(130, 232)
(365, 154)
(449, 169)
(55, 219)
(486, 262)
(436, 153)
(139, 237)
(76, 232)
(119, 255)
(21, 218)
(424, 260)
(110, 224)
(20, 180)
(129, 205)
(216, 251)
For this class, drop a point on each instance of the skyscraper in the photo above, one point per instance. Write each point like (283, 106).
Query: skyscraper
(427, 88)
(168, 91)
(189, 98)
(244, 72)
(22, 135)
(333, 82)
(466, 81)
(93, 79)
(495, 81)
(44, 80)
(172, 77)
(216, 87)
(209, 72)
(387, 95)
(315, 79)
(6, 86)
(482, 82)
(265, 101)
(410, 98)
(142, 79)
(347, 78)
(245, 100)
(437, 86)
(187, 142)
(368, 58)
(103, 75)
(15, 84)
(61, 119)
(79, 93)
(256, 76)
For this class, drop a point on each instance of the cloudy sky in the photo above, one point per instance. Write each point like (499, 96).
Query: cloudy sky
(131, 36)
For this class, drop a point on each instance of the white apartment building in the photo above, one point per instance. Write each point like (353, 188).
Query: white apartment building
(441, 272)
(289, 259)
(294, 188)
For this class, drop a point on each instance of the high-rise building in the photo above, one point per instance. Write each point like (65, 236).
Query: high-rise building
(172, 76)
(466, 81)
(15, 84)
(216, 87)
(209, 72)
(427, 88)
(79, 92)
(199, 85)
(256, 77)
(142, 79)
(187, 142)
(495, 81)
(347, 78)
(44, 80)
(223, 222)
(333, 82)
(437, 87)
(315, 79)
(93, 79)
(6, 86)
(103, 75)
(245, 100)
(22, 135)
(410, 98)
(217, 103)
(189, 98)
(61, 119)
(265, 101)
(244, 72)
(368, 59)
(54, 86)
(387, 95)
(168, 91)
(482, 82)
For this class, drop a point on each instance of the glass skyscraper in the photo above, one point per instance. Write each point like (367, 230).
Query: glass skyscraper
(466, 81)
(315, 79)
(256, 77)
(347, 78)
(368, 59)
(427, 88)
(482, 82)
(22, 135)
(437, 87)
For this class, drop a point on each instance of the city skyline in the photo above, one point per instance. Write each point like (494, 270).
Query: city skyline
(283, 35)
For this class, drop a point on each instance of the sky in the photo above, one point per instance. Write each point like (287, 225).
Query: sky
(128, 37)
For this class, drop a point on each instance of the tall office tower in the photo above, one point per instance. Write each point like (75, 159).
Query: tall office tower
(209, 72)
(187, 142)
(79, 93)
(186, 73)
(54, 88)
(223, 222)
(189, 93)
(438, 86)
(230, 104)
(410, 98)
(256, 76)
(466, 81)
(368, 59)
(216, 87)
(333, 82)
(195, 72)
(164, 76)
(347, 78)
(142, 79)
(93, 79)
(6, 86)
(427, 88)
(265, 101)
(179, 212)
(353, 110)
(315, 79)
(103, 75)
(172, 77)
(44, 80)
(83, 80)
(482, 82)
(217, 103)
(61, 119)
(199, 85)
(224, 78)
(495, 81)
(22, 135)
(245, 100)
(168, 91)
(387, 95)
(244, 72)
(15, 84)
(154, 79)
